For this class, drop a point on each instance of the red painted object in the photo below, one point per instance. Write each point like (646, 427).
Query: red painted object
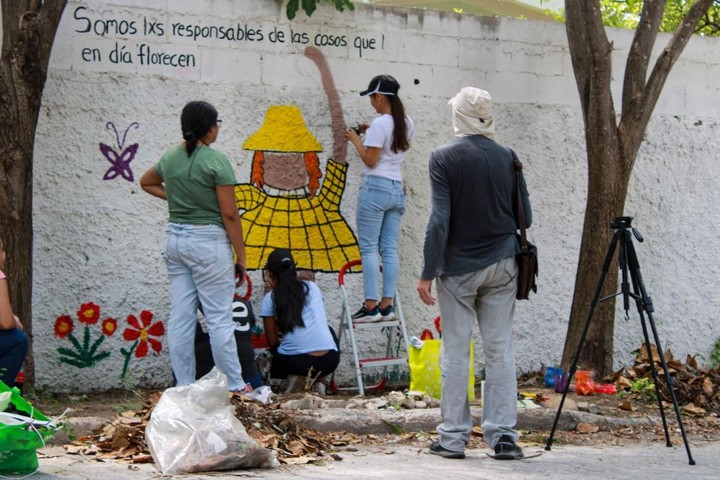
(584, 384)
(607, 388)
(20, 380)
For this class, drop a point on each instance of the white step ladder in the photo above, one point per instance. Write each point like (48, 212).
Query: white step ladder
(388, 328)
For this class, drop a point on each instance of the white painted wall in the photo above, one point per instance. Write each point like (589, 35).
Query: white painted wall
(100, 241)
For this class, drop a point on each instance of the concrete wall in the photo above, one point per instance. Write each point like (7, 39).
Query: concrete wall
(98, 237)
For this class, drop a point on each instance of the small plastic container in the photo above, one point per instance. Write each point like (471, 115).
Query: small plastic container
(550, 375)
(585, 382)
(607, 388)
(561, 382)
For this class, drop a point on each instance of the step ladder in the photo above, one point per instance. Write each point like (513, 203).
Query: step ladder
(389, 329)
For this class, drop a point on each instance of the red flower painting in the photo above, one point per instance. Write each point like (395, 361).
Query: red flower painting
(63, 326)
(141, 332)
(89, 313)
(84, 351)
(109, 325)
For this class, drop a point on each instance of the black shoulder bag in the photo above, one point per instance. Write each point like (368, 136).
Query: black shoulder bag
(527, 259)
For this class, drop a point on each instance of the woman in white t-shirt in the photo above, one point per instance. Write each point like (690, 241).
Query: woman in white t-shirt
(296, 325)
(381, 200)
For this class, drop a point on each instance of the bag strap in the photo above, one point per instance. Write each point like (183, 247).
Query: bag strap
(519, 204)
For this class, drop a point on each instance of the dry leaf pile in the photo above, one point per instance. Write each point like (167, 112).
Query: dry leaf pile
(123, 439)
(270, 426)
(697, 389)
(277, 429)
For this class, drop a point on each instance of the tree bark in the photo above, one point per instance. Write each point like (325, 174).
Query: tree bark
(612, 148)
(28, 32)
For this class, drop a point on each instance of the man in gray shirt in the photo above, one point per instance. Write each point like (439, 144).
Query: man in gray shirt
(470, 248)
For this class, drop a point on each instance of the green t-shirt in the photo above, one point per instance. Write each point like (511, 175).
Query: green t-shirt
(190, 183)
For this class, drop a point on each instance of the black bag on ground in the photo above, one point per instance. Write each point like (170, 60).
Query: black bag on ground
(244, 319)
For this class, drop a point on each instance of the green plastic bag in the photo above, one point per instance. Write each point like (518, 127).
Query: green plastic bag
(22, 435)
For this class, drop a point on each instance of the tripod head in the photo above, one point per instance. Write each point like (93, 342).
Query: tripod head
(623, 223)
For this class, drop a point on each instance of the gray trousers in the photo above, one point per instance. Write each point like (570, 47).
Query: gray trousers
(486, 296)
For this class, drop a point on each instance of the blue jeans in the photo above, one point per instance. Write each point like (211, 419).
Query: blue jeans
(13, 348)
(381, 204)
(201, 269)
(486, 296)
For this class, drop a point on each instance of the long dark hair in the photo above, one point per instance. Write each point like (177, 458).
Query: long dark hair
(196, 121)
(400, 139)
(289, 293)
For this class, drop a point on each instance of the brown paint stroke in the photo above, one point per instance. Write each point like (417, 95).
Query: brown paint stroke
(339, 153)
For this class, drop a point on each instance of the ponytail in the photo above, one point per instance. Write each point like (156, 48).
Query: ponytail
(400, 142)
(190, 142)
(196, 120)
(289, 299)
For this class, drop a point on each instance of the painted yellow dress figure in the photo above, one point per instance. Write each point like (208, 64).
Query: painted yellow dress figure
(282, 208)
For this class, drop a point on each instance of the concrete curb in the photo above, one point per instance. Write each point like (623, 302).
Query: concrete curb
(390, 421)
(381, 421)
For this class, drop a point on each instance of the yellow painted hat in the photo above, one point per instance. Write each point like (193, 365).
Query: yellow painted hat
(283, 130)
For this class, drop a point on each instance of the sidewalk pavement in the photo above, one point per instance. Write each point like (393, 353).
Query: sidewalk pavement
(403, 462)
(413, 462)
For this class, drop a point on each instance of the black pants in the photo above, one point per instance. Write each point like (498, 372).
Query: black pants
(284, 365)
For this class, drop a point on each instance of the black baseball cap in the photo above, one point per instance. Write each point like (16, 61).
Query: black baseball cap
(384, 84)
(280, 260)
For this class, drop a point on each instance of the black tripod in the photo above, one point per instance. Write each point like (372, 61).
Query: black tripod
(628, 260)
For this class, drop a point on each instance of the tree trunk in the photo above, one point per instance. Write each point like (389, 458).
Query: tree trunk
(612, 147)
(28, 32)
(605, 201)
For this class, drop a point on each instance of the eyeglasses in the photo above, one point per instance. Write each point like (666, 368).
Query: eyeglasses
(218, 122)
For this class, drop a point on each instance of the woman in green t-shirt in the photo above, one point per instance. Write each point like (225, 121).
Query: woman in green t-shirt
(203, 230)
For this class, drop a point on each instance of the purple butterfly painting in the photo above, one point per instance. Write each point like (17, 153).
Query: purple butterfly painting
(120, 162)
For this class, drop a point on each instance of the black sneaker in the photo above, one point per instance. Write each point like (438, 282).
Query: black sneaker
(387, 314)
(367, 316)
(437, 449)
(507, 449)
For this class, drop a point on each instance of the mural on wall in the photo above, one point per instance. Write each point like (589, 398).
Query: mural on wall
(120, 162)
(284, 206)
(141, 333)
(87, 352)
(84, 354)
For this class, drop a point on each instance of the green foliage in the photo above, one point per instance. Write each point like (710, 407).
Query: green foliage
(626, 14)
(644, 388)
(309, 6)
(715, 354)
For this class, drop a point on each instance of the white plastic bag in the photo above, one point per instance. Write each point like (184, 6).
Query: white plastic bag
(193, 429)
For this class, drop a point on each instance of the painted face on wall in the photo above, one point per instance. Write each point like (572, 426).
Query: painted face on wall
(285, 170)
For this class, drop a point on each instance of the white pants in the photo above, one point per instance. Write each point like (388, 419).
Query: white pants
(486, 296)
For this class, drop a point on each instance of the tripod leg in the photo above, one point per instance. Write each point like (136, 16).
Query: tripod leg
(645, 303)
(656, 379)
(576, 357)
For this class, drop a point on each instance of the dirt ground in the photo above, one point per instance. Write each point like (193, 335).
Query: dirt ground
(643, 423)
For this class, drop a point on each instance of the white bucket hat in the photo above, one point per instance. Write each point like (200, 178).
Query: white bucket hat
(472, 113)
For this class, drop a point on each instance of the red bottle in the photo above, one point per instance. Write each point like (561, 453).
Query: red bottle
(20, 380)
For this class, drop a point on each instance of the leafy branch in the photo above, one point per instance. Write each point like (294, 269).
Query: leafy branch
(309, 6)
